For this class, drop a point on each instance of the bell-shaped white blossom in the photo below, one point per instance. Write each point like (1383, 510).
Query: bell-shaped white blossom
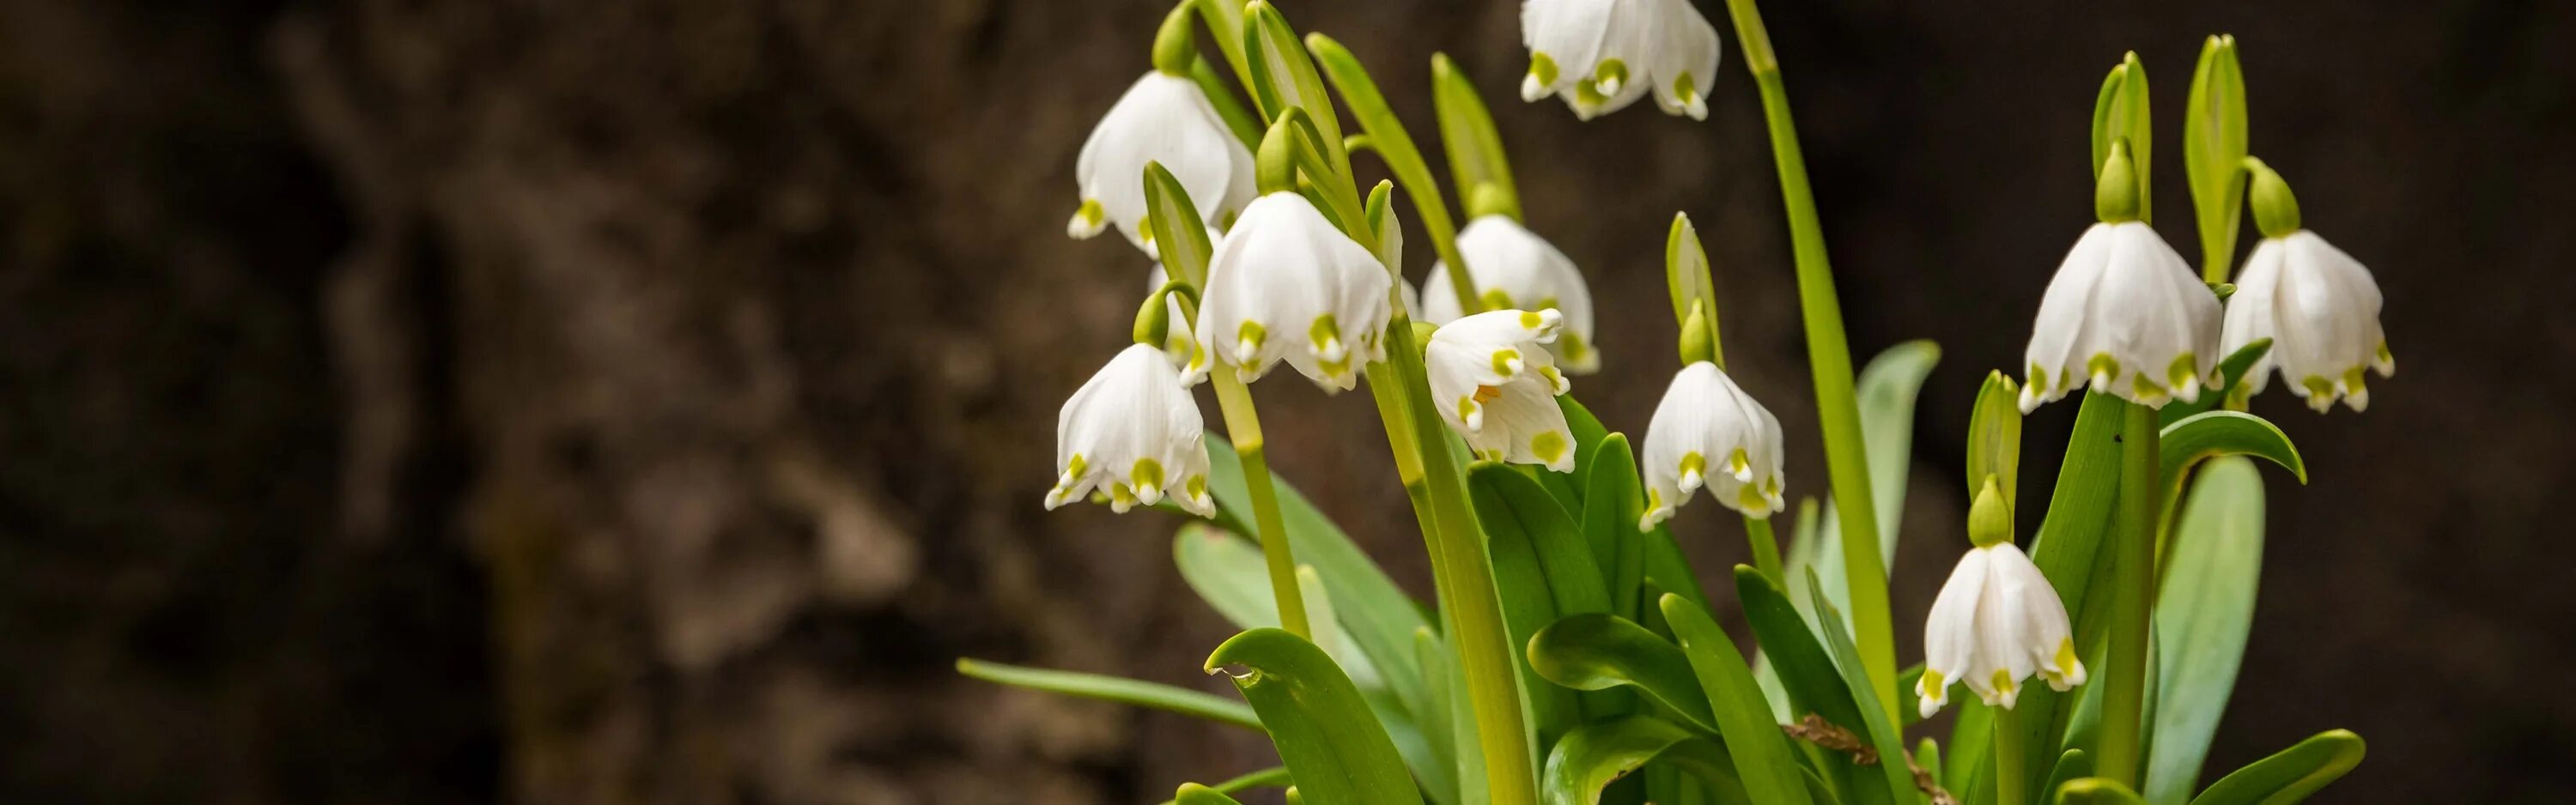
(1497, 386)
(1707, 431)
(1286, 285)
(2320, 307)
(1996, 621)
(1515, 268)
(1601, 55)
(1166, 119)
(1133, 433)
(2126, 314)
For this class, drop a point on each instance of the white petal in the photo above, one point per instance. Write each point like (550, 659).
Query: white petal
(1569, 33)
(1689, 48)
(2249, 316)
(1134, 410)
(2052, 364)
(1284, 267)
(1949, 633)
(1165, 119)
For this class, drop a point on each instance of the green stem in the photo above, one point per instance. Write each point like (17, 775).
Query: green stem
(1766, 547)
(1829, 355)
(2133, 568)
(1243, 425)
(2011, 783)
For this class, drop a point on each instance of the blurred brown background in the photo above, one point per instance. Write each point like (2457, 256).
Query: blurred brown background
(600, 401)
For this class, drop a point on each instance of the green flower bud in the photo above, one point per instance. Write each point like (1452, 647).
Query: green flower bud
(1697, 343)
(2276, 210)
(1990, 520)
(2115, 193)
(1173, 48)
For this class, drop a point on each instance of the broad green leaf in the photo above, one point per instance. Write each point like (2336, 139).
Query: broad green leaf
(2213, 145)
(1114, 689)
(1446, 726)
(2070, 766)
(1181, 242)
(1542, 569)
(2231, 374)
(1324, 732)
(1586, 428)
(1273, 777)
(1873, 727)
(2095, 791)
(2203, 616)
(1593, 755)
(1611, 507)
(2219, 433)
(2289, 776)
(1195, 794)
(1467, 132)
(1813, 685)
(1886, 392)
(1764, 761)
(1599, 652)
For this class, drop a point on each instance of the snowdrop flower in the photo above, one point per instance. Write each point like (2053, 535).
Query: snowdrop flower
(1287, 285)
(1498, 387)
(2319, 306)
(1708, 431)
(2126, 314)
(1163, 118)
(1514, 268)
(1996, 621)
(1133, 433)
(1601, 55)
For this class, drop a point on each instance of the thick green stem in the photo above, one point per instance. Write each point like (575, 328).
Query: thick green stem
(2012, 784)
(2132, 571)
(1829, 355)
(1766, 547)
(1243, 425)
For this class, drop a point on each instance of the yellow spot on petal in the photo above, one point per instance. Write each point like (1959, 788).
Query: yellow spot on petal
(1549, 446)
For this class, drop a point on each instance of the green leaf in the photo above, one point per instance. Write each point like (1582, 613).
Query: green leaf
(1237, 119)
(1448, 724)
(2220, 433)
(1467, 132)
(2213, 146)
(1599, 652)
(1224, 21)
(1593, 755)
(2066, 550)
(1994, 439)
(2231, 373)
(1195, 794)
(2121, 111)
(1586, 429)
(2289, 776)
(1273, 777)
(1686, 276)
(1764, 761)
(1885, 737)
(1283, 77)
(1543, 570)
(1181, 242)
(1611, 507)
(1324, 732)
(1813, 685)
(1114, 689)
(1886, 392)
(2096, 791)
(2203, 616)
(2072, 765)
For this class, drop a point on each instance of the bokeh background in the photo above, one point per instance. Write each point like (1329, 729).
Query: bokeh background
(605, 401)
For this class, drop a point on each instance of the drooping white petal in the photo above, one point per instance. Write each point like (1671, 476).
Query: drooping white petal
(1133, 433)
(1708, 432)
(1949, 635)
(1287, 286)
(1497, 385)
(1995, 623)
(2250, 313)
(2060, 330)
(1602, 55)
(1566, 34)
(1686, 63)
(2126, 316)
(1515, 268)
(2321, 309)
(1166, 119)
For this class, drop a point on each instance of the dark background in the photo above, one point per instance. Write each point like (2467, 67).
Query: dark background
(599, 401)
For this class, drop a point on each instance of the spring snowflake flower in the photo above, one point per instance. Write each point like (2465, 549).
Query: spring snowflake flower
(1498, 386)
(1133, 433)
(1601, 55)
(2126, 313)
(1707, 423)
(2320, 307)
(1996, 621)
(1286, 285)
(1515, 268)
(1163, 118)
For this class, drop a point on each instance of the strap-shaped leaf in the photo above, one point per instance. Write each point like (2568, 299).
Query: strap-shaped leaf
(2096, 791)
(2070, 766)
(1542, 569)
(2203, 617)
(2221, 433)
(2231, 374)
(1807, 676)
(1467, 132)
(1764, 761)
(1115, 689)
(1195, 794)
(2289, 776)
(1873, 726)
(1587, 759)
(1403, 159)
(1611, 506)
(1599, 652)
(1324, 732)
(1886, 392)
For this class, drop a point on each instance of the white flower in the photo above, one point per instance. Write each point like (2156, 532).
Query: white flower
(1601, 55)
(1133, 432)
(1514, 268)
(1706, 422)
(1287, 285)
(1995, 622)
(2128, 314)
(1166, 119)
(1498, 388)
(2320, 307)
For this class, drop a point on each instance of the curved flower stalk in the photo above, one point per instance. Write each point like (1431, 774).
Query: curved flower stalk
(1178, 343)
(1133, 433)
(1601, 55)
(1286, 285)
(2319, 306)
(2125, 314)
(1501, 386)
(1163, 118)
(1517, 269)
(1707, 431)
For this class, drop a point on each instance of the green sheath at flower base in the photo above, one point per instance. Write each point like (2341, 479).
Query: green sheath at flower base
(1154, 320)
(1990, 519)
(2276, 210)
(1994, 437)
(1699, 341)
(2116, 191)
(1173, 49)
